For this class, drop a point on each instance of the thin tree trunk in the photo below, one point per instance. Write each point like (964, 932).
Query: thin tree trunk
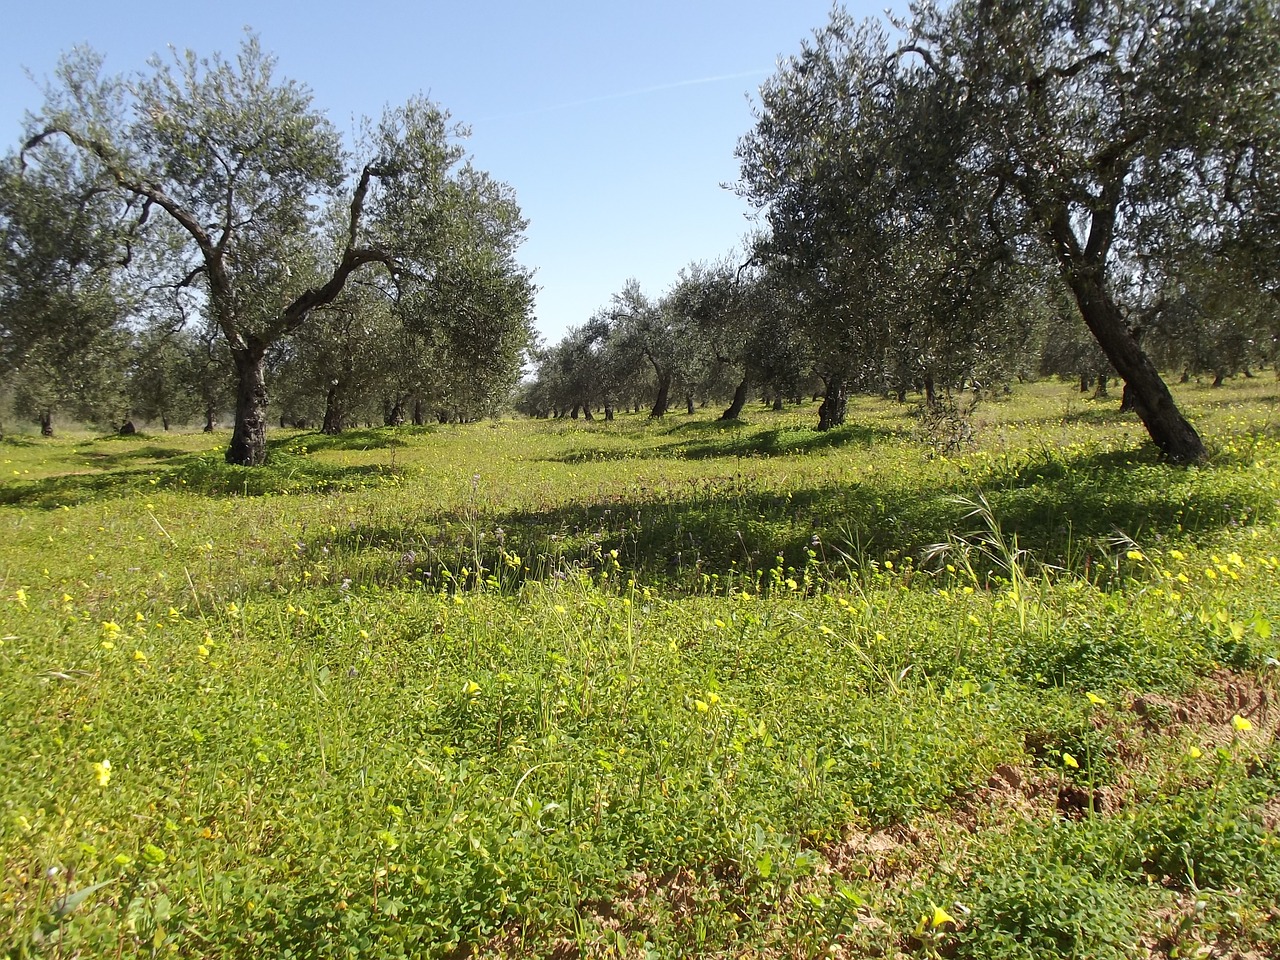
(739, 401)
(608, 413)
(930, 392)
(210, 420)
(46, 422)
(688, 403)
(1100, 392)
(249, 435)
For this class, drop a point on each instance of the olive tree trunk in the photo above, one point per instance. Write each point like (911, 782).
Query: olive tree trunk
(739, 401)
(249, 435)
(1145, 392)
(835, 404)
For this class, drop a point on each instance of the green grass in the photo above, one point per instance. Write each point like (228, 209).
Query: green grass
(516, 689)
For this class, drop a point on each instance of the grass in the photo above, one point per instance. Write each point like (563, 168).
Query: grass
(525, 689)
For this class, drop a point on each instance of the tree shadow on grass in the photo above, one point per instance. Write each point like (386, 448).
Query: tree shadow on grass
(19, 440)
(203, 474)
(1076, 513)
(371, 438)
(108, 461)
(782, 441)
(73, 489)
(713, 440)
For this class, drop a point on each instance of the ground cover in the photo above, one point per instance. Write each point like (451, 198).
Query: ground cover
(529, 689)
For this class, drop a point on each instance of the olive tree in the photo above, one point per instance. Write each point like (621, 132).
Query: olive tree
(1091, 120)
(226, 173)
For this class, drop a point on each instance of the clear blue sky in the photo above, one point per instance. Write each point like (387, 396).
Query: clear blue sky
(614, 122)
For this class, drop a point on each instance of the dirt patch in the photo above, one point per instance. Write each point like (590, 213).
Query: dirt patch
(876, 855)
(1213, 707)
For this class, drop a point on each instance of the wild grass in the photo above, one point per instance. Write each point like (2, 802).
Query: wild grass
(518, 688)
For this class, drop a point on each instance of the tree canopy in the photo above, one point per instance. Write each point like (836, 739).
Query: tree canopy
(230, 187)
(1099, 137)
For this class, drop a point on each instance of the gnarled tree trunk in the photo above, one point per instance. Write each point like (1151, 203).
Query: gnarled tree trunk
(249, 435)
(335, 419)
(739, 401)
(663, 400)
(834, 404)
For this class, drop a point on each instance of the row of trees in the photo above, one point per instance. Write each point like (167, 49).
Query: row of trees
(208, 208)
(986, 189)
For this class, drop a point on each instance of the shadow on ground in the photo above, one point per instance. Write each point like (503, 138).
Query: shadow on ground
(706, 440)
(204, 474)
(1078, 513)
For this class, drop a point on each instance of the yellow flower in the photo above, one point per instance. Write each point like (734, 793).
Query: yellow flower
(1135, 555)
(1070, 761)
(21, 598)
(139, 656)
(202, 650)
(700, 706)
(1194, 752)
(110, 628)
(940, 917)
(1177, 554)
(1241, 724)
(471, 688)
(102, 770)
(1096, 700)
(719, 623)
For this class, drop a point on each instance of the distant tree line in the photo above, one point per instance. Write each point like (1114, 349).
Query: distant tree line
(987, 189)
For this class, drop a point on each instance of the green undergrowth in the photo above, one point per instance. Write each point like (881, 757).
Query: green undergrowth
(523, 689)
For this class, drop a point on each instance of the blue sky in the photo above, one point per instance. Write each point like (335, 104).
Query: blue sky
(614, 122)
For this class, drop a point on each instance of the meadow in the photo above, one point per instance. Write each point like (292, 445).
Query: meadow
(571, 689)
